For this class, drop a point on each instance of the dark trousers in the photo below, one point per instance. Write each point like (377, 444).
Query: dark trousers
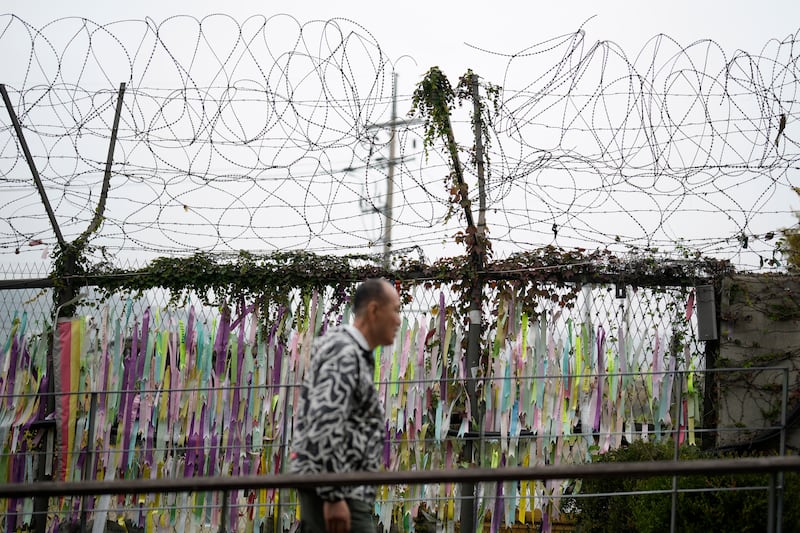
(312, 520)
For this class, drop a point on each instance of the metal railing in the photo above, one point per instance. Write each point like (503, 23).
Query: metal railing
(221, 484)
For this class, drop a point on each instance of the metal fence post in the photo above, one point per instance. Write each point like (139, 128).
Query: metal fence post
(88, 461)
(782, 451)
(223, 519)
(773, 479)
(673, 515)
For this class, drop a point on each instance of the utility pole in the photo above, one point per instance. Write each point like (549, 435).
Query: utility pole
(387, 213)
(477, 258)
(390, 165)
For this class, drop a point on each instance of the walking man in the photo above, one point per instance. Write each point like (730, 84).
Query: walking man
(340, 423)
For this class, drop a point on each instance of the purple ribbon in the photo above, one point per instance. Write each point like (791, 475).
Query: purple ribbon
(601, 372)
(387, 449)
(189, 340)
(126, 401)
(221, 343)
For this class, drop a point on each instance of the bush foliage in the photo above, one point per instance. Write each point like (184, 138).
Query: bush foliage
(730, 505)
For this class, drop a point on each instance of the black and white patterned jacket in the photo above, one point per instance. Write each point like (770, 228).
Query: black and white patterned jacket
(339, 424)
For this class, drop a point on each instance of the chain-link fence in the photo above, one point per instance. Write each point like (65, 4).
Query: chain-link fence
(154, 387)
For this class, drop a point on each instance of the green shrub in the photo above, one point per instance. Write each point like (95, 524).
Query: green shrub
(715, 510)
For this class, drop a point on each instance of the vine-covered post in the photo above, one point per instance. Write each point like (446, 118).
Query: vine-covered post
(477, 256)
(70, 257)
(433, 98)
(477, 128)
(710, 384)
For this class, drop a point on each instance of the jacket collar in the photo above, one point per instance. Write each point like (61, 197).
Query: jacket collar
(358, 336)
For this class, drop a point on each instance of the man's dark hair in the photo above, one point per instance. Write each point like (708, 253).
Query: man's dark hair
(373, 289)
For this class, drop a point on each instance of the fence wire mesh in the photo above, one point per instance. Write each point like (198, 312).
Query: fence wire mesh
(152, 388)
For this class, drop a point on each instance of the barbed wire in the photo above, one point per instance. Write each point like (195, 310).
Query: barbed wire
(265, 135)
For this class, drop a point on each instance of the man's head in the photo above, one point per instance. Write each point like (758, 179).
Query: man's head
(376, 307)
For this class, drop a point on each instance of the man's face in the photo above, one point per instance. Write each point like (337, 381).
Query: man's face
(387, 316)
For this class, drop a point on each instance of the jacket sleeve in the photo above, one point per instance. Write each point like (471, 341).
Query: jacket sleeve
(329, 402)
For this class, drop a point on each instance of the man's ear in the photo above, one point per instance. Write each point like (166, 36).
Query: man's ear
(372, 307)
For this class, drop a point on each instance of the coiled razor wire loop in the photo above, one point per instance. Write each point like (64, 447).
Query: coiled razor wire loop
(261, 135)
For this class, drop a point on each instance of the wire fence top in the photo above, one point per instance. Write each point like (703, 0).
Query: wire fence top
(269, 134)
(223, 483)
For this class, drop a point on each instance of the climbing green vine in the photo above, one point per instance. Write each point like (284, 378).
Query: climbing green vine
(485, 113)
(433, 100)
(71, 265)
(547, 272)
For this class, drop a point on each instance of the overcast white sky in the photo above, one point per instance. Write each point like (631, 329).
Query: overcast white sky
(452, 34)
(435, 32)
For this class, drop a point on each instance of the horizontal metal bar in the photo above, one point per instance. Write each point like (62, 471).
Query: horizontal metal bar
(466, 475)
(450, 380)
(33, 283)
(656, 492)
(270, 443)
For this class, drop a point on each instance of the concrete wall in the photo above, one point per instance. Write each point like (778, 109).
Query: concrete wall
(759, 327)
